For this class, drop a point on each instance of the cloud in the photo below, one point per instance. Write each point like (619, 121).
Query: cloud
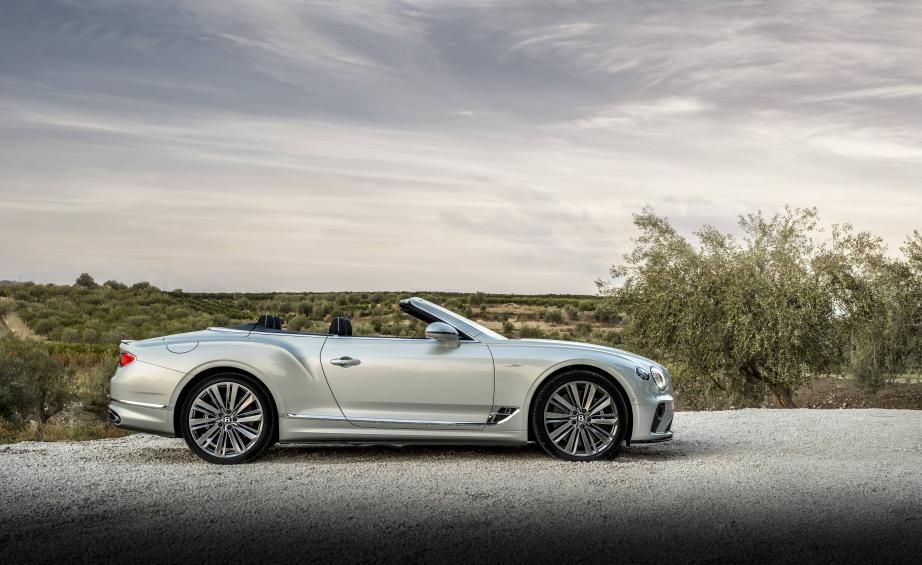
(436, 144)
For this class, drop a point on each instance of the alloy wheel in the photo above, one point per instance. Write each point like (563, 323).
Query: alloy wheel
(581, 418)
(226, 419)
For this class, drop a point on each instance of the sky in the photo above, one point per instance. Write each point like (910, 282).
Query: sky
(457, 145)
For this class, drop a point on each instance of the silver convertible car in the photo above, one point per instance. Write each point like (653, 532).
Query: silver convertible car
(233, 392)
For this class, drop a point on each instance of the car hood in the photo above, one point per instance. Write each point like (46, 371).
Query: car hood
(639, 360)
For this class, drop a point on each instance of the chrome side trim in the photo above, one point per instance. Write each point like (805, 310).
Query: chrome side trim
(318, 417)
(142, 404)
(390, 421)
(398, 421)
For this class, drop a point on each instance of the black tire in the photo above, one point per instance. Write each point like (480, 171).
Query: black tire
(540, 425)
(266, 433)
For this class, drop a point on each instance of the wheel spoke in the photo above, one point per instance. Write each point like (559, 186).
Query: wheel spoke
(248, 432)
(574, 394)
(197, 421)
(604, 421)
(235, 444)
(601, 405)
(216, 396)
(590, 394)
(205, 438)
(232, 396)
(572, 445)
(249, 398)
(600, 433)
(560, 432)
(588, 442)
(556, 397)
(253, 418)
(205, 407)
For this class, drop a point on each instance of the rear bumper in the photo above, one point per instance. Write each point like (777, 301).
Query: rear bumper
(140, 398)
(133, 416)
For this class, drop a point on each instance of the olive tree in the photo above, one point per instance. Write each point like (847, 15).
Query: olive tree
(879, 299)
(32, 383)
(741, 314)
(86, 280)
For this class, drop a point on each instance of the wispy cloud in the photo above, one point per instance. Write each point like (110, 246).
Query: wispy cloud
(436, 144)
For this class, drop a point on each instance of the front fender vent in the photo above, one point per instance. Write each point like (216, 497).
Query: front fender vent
(658, 417)
(500, 414)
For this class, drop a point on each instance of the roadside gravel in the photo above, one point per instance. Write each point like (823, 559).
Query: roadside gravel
(757, 485)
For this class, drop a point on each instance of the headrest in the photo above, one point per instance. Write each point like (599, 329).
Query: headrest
(341, 326)
(270, 321)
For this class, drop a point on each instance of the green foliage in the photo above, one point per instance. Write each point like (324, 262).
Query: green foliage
(33, 384)
(86, 281)
(772, 310)
(105, 314)
(553, 316)
(528, 331)
(298, 323)
(880, 301)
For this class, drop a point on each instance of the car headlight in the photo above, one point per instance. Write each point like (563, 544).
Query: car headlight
(659, 378)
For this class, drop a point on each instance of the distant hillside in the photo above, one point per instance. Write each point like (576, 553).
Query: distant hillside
(87, 312)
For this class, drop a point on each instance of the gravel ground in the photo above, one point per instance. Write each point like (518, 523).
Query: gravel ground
(756, 485)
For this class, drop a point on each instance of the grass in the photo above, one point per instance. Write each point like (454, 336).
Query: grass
(69, 431)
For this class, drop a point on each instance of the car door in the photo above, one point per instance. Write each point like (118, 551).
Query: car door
(410, 383)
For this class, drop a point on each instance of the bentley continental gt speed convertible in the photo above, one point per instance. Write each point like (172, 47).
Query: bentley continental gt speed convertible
(233, 392)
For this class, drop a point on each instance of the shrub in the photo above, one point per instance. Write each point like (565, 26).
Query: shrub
(553, 316)
(528, 331)
(298, 323)
(33, 385)
(86, 281)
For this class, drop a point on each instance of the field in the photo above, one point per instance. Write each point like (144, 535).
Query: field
(102, 315)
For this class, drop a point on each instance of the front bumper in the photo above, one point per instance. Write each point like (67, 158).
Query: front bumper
(653, 422)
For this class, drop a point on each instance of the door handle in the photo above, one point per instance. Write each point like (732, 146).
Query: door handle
(345, 362)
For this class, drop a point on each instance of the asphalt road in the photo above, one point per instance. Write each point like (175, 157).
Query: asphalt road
(755, 485)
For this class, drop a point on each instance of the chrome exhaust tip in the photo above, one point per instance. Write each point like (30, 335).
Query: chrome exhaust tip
(114, 418)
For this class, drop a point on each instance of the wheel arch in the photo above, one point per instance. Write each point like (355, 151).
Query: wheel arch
(625, 399)
(189, 383)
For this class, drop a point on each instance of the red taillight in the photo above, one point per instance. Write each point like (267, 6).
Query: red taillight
(125, 359)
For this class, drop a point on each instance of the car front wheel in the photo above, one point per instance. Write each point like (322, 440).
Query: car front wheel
(227, 419)
(579, 416)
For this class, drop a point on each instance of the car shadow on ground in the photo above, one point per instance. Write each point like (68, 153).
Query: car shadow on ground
(339, 453)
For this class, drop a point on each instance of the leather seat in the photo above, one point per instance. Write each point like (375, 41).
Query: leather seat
(341, 326)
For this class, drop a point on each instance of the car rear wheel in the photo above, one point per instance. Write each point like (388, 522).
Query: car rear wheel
(579, 416)
(227, 419)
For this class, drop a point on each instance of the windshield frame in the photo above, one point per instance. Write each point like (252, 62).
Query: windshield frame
(466, 327)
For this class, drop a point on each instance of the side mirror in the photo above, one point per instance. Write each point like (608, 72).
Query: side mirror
(444, 334)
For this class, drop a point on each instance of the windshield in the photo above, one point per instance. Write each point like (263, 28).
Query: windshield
(448, 314)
